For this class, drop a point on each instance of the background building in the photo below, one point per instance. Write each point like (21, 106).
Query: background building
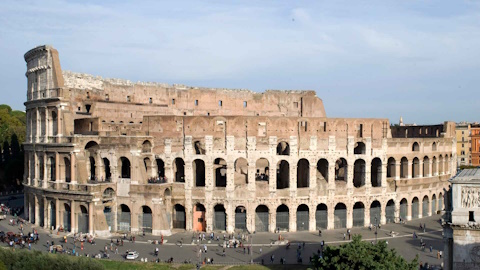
(464, 144)
(106, 155)
(475, 137)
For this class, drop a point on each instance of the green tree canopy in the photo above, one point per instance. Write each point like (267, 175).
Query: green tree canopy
(359, 254)
(12, 122)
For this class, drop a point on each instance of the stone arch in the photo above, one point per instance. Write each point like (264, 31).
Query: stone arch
(359, 173)
(303, 173)
(146, 146)
(198, 166)
(404, 167)
(391, 168)
(261, 218)
(283, 217)
(358, 214)
(108, 193)
(199, 147)
(390, 211)
(179, 217)
(241, 171)
(415, 167)
(434, 146)
(179, 170)
(425, 206)
(283, 148)
(403, 209)
(148, 166)
(124, 219)
(434, 166)
(415, 208)
(67, 169)
(426, 166)
(199, 222)
(220, 172)
(415, 147)
(340, 215)
(341, 170)
(283, 174)
(262, 169)
(160, 168)
(303, 217)
(219, 217)
(321, 216)
(322, 170)
(125, 167)
(376, 172)
(167, 193)
(359, 149)
(375, 212)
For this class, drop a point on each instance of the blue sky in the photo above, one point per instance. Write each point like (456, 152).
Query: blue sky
(378, 59)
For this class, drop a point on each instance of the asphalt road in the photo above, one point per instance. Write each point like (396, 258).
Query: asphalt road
(263, 244)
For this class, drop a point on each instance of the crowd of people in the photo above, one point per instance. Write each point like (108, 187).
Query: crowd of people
(157, 180)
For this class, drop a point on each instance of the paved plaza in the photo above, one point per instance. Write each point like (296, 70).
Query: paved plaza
(263, 244)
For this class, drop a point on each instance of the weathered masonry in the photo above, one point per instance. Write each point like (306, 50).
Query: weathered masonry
(106, 155)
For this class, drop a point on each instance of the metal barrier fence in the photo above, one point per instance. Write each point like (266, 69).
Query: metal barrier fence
(321, 219)
(241, 221)
(434, 207)
(424, 208)
(302, 220)
(375, 212)
(390, 213)
(261, 222)
(415, 209)
(179, 220)
(110, 220)
(340, 218)
(359, 217)
(67, 226)
(124, 221)
(82, 222)
(145, 222)
(282, 220)
(403, 211)
(220, 221)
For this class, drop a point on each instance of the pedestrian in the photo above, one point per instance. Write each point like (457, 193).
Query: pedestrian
(431, 249)
(320, 233)
(205, 248)
(441, 254)
(272, 258)
(344, 236)
(29, 246)
(304, 245)
(116, 250)
(260, 250)
(438, 254)
(223, 254)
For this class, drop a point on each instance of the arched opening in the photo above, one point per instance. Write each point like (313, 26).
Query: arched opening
(199, 172)
(83, 220)
(53, 215)
(283, 149)
(390, 212)
(376, 172)
(404, 167)
(341, 170)
(403, 209)
(434, 204)
(375, 212)
(359, 173)
(125, 165)
(53, 124)
(445, 166)
(68, 170)
(148, 167)
(160, 168)
(359, 215)
(146, 220)
(199, 148)
(426, 166)
(261, 218)
(415, 208)
(283, 216)
(146, 147)
(241, 218)
(107, 211)
(391, 168)
(440, 202)
(67, 215)
(108, 193)
(321, 216)
(167, 193)
(340, 215)
(283, 174)
(434, 166)
(241, 171)
(41, 210)
(219, 218)
(179, 217)
(415, 147)
(262, 170)
(124, 218)
(179, 170)
(359, 148)
(199, 222)
(303, 173)
(440, 165)
(220, 172)
(434, 146)
(106, 166)
(425, 206)
(415, 168)
(51, 162)
(322, 170)
(303, 218)
(93, 176)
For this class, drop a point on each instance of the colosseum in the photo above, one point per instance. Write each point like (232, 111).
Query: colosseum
(108, 155)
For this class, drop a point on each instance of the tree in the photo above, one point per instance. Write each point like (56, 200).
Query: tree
(359, 254)
(14, 145)
(6, 152)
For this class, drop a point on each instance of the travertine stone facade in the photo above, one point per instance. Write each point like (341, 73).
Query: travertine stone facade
(108, 155)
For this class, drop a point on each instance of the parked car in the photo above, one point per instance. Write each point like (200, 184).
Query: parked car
(131, 255)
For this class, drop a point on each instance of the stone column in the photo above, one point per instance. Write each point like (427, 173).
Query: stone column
(37, 125)
(383, 218)
(366, 219)
(313, 181)
(292, 219)
(331, 180)
(46, 214)
(409, 211)
(73, 220)
(57, 213)
(230, 179)
(437, 163)
(293, 180)
(57, 166)
(420, 208)
(45, 170)
(37, 171)
(47, 127)
(397, 210)
(397, 170)
(349, 215)
(59, 122)
(331, 217)
(350, 169)
(230, 211)
(73, 168)
(37, 211)
(272, 178)
(272, 219)
(188, 215)
(26, 210)
(251, 176)
(430, 168)
(383, 181)
(312, 224)
(368, 175)
(409, 170)
(90, 217)
(421, 171)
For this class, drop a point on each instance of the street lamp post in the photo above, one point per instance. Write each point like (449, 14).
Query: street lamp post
(376, 228)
